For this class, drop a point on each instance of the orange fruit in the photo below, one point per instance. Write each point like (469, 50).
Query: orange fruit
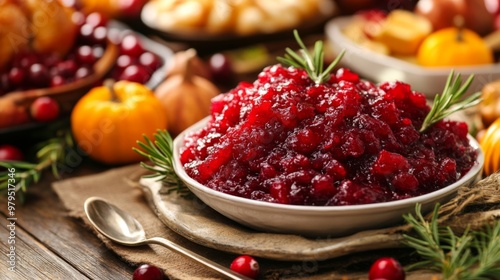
(454, 47)
(490, 144)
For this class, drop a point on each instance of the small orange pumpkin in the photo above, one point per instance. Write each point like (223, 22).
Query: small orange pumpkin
(107, 121)
(490, 143)
(454, 46)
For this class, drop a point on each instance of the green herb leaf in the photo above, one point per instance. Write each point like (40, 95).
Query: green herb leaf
(160, 153)
(313, 62)
(472, 255)
(49, 154)
(450, 101)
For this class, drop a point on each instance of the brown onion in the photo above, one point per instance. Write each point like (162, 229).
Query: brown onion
(185, 96)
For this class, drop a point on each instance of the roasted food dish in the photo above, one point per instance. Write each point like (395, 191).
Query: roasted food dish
(236, 17)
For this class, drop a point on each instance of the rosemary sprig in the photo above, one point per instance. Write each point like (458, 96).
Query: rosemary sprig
(160, 153)
(473, 255)
(313, 62)
(49, 154)
(450, 101)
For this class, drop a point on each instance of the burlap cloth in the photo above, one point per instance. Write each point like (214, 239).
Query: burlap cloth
(473, 206)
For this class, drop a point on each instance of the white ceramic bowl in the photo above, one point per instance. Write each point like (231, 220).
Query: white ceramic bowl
(315, 220)
(378, 67)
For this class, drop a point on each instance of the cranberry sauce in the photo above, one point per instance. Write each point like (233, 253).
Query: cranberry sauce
(284, 139)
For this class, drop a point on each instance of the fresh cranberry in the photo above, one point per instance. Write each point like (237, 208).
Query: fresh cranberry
(148, 272)
(9, 152)
(56, 81)
(86, 33)
(85, 55)
(135, 73)
(99, 35)
(386, 268)
(16, 76)
(66, 68)
(123, 61)
(38, 75)
(149, 60)
(96, 19)
(245, 265)
(221, 68)
(50, 60)
(78, 18)
(131, 45)
(97, 52)
(25, 60)
(44, 109)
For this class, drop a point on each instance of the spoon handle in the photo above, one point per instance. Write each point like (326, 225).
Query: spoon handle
(210, 264)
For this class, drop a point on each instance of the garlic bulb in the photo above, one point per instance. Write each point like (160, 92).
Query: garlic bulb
(185, 96)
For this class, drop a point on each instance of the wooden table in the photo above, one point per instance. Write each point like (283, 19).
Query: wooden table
(49, 244)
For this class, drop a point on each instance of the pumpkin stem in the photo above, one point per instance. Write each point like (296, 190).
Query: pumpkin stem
(459, 22)
(188, 67)
(109, 83)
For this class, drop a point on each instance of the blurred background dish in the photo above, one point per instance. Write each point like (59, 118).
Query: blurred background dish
(218, 25)
(378, 66)
(15, 106)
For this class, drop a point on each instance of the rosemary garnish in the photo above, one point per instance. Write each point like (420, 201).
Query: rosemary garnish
(160, 153)
(49, 155)
(312, 63)
(449, 101)
(473, 255)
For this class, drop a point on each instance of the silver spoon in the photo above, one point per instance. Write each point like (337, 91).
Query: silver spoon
(124, 229)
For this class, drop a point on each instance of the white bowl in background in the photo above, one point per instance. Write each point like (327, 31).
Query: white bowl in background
(379, 67)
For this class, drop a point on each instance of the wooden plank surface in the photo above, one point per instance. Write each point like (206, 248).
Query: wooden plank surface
(31, 259)
(57, 243)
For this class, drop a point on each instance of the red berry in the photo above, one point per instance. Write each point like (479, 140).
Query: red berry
(78, 18)
(39, 75)
(85, 55)
(96, 19)
(44, 109)
(221, 68)
(25, 60)
(66, 68)
(150, 61)
(99, 35)
(135, 73)
(123, 61)
(9, 152)
(16, 76)
(147, 272)
(386, 268)
(131, 45)
(56, 81)
(245, 265)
